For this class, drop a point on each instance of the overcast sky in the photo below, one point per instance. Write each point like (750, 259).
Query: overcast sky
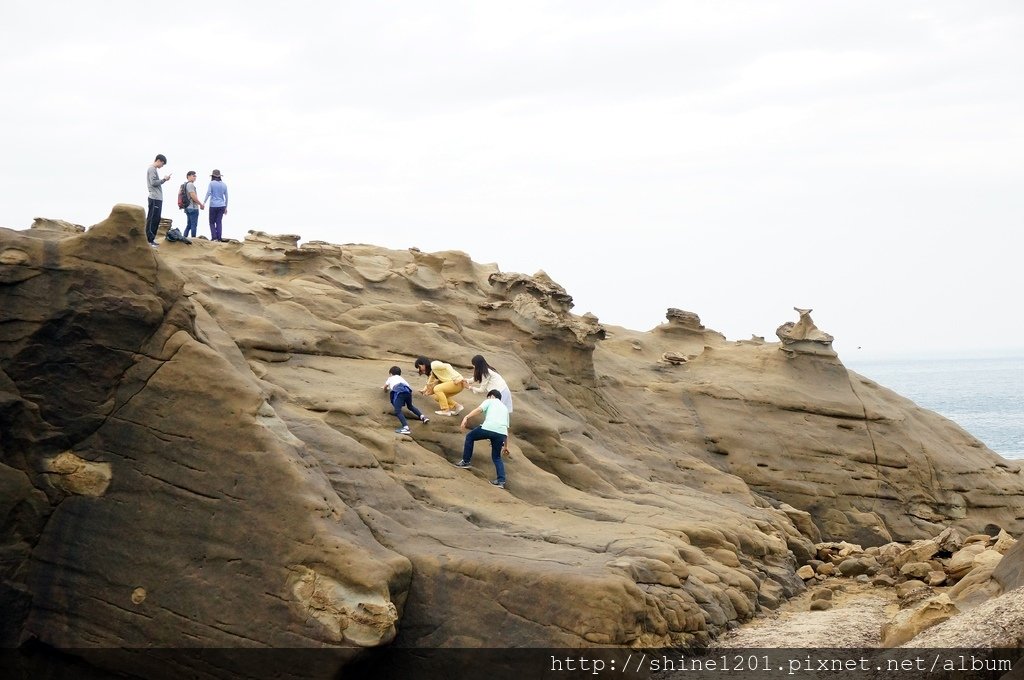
(734, 159)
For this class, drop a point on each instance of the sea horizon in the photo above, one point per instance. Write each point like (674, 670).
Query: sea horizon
(982, 391)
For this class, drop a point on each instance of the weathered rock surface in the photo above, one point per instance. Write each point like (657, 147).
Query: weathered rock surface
(945, 618)
(195, 450)
(909, 623)
(1010, 571)
(804, 337)
(918, 551)
(151, 492)
(963, 560)
(999, 622)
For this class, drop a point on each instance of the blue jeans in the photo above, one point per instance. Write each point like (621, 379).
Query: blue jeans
(400, 399)
(497, 441)
(193, 221)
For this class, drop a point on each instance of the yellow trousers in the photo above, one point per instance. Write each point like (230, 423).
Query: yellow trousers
(443, 393)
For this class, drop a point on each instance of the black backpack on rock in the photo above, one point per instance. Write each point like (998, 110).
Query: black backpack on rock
(174, 234)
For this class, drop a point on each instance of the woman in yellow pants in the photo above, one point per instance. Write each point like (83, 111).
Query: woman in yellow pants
(443, 384)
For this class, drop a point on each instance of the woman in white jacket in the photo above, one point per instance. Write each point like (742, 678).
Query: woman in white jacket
(485, 379)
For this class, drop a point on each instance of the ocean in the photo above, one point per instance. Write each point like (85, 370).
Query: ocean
(985, 396)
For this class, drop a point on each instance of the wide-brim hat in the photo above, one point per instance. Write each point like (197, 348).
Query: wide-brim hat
(215, 174)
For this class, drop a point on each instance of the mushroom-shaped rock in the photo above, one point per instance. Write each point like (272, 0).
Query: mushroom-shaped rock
(803, 337)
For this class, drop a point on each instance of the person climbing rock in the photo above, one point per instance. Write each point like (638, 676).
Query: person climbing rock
(443, 383)
(494, 428)
(401, 396)
(485, 379)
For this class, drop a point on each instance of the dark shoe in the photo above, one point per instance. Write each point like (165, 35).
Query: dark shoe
(500, 485)
(462, 464)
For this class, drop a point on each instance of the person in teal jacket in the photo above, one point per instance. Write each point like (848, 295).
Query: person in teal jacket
(494, 428)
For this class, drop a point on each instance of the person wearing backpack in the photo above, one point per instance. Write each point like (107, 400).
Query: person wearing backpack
(192, 204)
(218, 190)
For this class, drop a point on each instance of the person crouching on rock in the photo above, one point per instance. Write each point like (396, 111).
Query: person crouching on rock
(443, 384)
(494, 428)
(401, 395)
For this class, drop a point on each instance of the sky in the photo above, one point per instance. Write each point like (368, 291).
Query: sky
(733, 159)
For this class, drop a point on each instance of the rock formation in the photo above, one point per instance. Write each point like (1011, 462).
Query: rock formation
(195, 451)
(978, 568)
(803, 336)
(877, 598)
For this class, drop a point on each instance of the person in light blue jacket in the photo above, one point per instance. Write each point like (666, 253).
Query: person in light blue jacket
(217, 200)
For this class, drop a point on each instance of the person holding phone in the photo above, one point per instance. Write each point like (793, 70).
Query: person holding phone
(156, 197)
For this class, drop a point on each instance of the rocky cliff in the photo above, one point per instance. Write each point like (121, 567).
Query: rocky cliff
(195, 451)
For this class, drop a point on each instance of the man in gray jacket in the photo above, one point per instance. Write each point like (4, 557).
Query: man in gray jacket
(156, 197)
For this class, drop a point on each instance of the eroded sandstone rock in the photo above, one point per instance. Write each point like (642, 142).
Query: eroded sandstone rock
(997, 623)
(77, 476)
(908, 623)
(803, 337)
(61, 227)
(975, 587)
(156, 454)
(911, 591)
(234, 393)
(950, 540)
(364, 619)
(678, 318)
(916, 570)
(918, 551)
(1004, 542)
(1009, 573)
(963, 560)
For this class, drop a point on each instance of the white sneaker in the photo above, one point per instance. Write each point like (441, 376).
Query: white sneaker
(425, 419)
(459, 410)
(444, 413)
